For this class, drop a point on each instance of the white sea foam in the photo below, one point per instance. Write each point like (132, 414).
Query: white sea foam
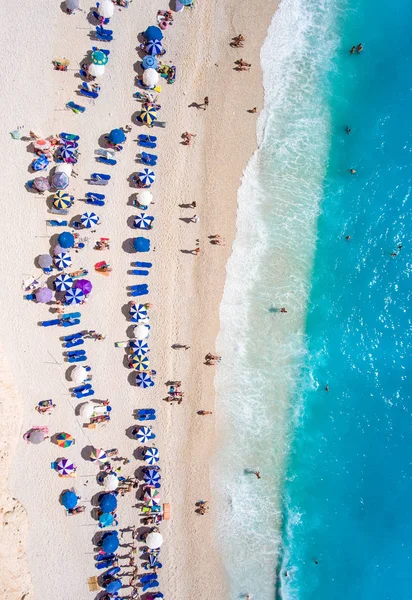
(278, 205)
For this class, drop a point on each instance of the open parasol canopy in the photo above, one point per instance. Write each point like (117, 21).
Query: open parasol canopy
(147, 116)
(106, 519)
(151, 497)
(64, 168)
(41, 144)
(149, 62)
(108, 502)
(145, 434)
(44, 295)
(45, 261)
(111, 482)
(79, 375)
(145, 197)
(64, 440)
(41, 184)
(146, 176)
(110, 542)
(89, 219)
(106, 9)
(140, 348)
(150, 77)
(141, 332)
(151, 476)
(74, 296)
(62, 200)
(151, 456)
(62, 260)
(154, 47)
(84, 285)
(154, 540)
(144, 380)
(99, 58)
(117, 136)
(60, 181)
(65, 467)
(139, 363)
(98, 455)
(153, 33)
(69, 499)
(63, 282)
(143, 221)
(36, 436)
(96, 70)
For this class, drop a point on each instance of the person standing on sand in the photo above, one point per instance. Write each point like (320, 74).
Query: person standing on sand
(196, 251)
(195, 219)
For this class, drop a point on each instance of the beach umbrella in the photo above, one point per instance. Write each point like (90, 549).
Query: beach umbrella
(60, 181)
(41, 184)
(150, 62)
(69, 499)
(36, 436)
(136, 309)
(147, 116)
(79, 375)
(144, 434)
(62, 200)
(96, 70)
(141, 332)
(64, 168)
(141, 244)
(146, 176)
(151, 456)
(143, 221)
(144, 380)
(72, 4)
(42, 144)
(106, 519)
(44, 295)
(151, 497)
(67, 152)
(86, 410)
(84, 285)
(110, 542)
(154, 47)
(99, 58)
(89, 219)
(111, 482)
(151, 477)
(108, 502)
(64, 440)
(145, 197)
(186, 2)
(63, 282)
(140, 348)
(66, 239)
(113, 586)
(106, 9)
(154, 540)
(65, 467)
(74, 296)
(62, 260)
(150, 77)
(98, 455)
(45, 261)
(139, 363)
(117, 136)
(153, 33)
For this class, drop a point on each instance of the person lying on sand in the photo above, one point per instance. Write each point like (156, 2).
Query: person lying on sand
(237, 42)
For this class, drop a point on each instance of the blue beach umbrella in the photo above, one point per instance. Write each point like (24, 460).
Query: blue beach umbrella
(151, 456)
(69, 499)
(66, 240)
(143, 221)
(67, 152)
(144, 380)
(154, 47)
(106, 519)
(117, 136)
(108, 503)
(186, 2)
(139, 310)
(146, 176)
(114, 586)
(151, 477)
(110, 542)
(62, 260)
(149, 62)
(63, 282)
(74, 296)
(89, 219)
(153, 33)
(140, 348)
(144, 434)
(141, 244)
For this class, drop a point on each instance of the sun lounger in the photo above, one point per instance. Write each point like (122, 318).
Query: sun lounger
(76, 108)
(82, 388)
(73, 336)
(85, 393)
(134, 294)
(73, 315)
(138, 286)
(74, 352)
(30, 297)
(147, 144)
(111, 572)
(148, 577)
(73, 343)
(59, 211)
(88, 93)
(74, 359)
(106, 152)
(70, 322)
(95, 196)
(54, 223)
(139, 263)
(106, 161)
(149, 159)
(69, 137)
(150, 584)
(104, 564)
(96, 202)
(104, 31)
(139, 272)
(159, 124)
(99, 179)
(50, 323)
(144, 137)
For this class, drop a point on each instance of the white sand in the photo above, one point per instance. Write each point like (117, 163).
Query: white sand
(184, 289)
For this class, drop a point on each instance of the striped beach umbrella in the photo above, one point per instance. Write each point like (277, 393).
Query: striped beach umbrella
(151, 497)
(64, 440)
(41, 183)
(65, 467)
(60, 181)
(62, 260)
(151, 456)
(144, 380)
(98, 455)
(139, 310)
(89, 219)
(62, 200)
(140, 348)
(154, 47)
(151, 476)
(68, 153)
(74, 296)
(99, 58)
(150, 62)
(147, 115)
(144, 434)
(146, 176)
(63, 282)
(139, 363)
(143, 221)
(42, 144)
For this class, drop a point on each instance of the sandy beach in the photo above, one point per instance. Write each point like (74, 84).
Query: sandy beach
(55, 559)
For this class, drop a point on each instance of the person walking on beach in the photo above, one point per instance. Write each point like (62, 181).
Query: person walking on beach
(196, 251)
(195, 219)
(187, 137)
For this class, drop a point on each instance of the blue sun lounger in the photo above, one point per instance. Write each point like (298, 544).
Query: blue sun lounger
(30, 297)
(84, 394)
(75, 352)
(76, 108)
(70, 322)
(73, 336)
(105, 35)
(150, 584)
(99, 178)
(140, 263)
(73, 315)
(50, 323)
(54, 223)
(96, 202)
(144, 415)
(95, 196)
(106, 161)
(73, 343)
(148, 577)
(69, 137)
(105, 564)
(82, 388)
(147, 141)
(148, 159)
(139, 272)
(88, 93)
(74, 359)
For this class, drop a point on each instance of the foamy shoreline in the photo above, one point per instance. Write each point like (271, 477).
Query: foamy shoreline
(185, 290)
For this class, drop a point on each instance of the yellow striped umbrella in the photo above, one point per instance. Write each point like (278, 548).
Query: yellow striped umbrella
(139, 363)
(147, 116)
(62, 200)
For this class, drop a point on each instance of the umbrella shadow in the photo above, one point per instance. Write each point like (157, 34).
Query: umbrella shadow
(125, 311)
(131, 378)
(137, 67)
(86, 452)
(126, 361)
(130, 222)
(131, 199)
(90, 16)
(185, 219)
(32, 190)
(69, 371)
(103, 141)
(127, 246)
(129, 433)
(130, 331)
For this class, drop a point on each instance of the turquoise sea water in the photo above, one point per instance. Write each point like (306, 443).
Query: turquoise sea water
(330, 517)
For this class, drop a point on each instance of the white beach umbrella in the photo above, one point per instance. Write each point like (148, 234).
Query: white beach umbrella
(111, 482)
(106, 9)
(64, 168)
(145, 197)
(96, 70)
(150, 77)
(79, 374)
(154, 540)
(87, 410)
(141, 332)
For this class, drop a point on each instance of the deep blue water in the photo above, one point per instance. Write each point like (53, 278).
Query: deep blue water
(348, 494)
